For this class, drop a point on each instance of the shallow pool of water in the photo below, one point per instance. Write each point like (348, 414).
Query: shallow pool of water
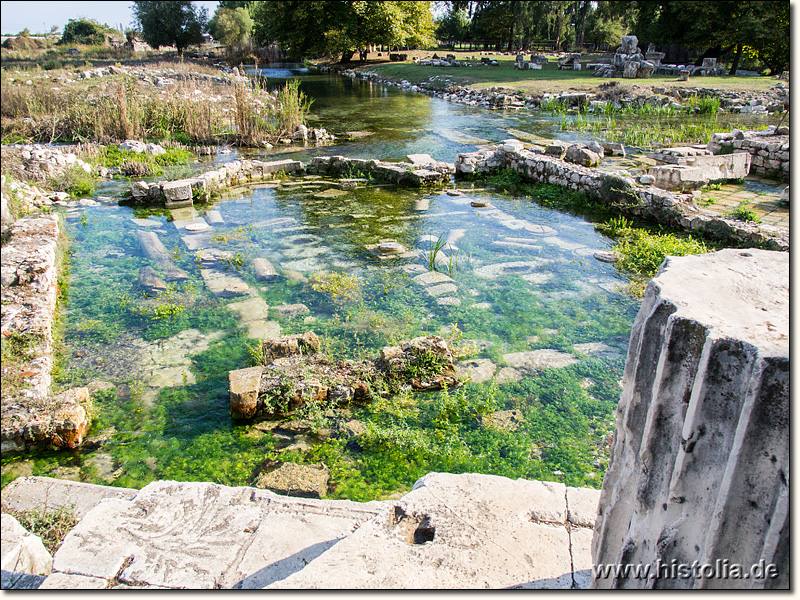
(523, 280)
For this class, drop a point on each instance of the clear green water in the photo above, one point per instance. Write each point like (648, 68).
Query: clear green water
(167, 416)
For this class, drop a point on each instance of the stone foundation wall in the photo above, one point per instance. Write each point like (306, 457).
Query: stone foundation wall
(183, 192)
(699, 467)
(30, 416)
(770, 152)
(623, 193)
(415, 173)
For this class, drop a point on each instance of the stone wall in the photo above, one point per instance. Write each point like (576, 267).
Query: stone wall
(30, 416)
(418, 171)
(182, 192)
(769, 149)
(623, 193)
(699, 467)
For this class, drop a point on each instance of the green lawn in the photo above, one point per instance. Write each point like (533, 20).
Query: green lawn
(548, 79)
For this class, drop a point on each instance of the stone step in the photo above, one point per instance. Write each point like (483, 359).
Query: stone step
(450, 531)
(466, 531)
(201, 536)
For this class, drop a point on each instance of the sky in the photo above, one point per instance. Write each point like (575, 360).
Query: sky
(40, 17)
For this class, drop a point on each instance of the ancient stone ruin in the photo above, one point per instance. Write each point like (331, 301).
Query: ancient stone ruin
(629, 61)
(699, 468)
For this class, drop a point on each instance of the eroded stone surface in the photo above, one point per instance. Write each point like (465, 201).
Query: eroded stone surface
(699, 465)
(454, 532)
(539, 359)
(21, 552)
(202, 536)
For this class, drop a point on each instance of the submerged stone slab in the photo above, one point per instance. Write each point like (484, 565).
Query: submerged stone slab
(699, 465)
(476, 370)
(540, 359)
(263, 270)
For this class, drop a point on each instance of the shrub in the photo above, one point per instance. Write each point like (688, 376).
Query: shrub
(83, 31)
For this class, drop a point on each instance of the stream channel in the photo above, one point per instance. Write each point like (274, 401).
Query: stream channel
(540, 313)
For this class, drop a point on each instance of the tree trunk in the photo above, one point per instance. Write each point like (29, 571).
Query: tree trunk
(736, 58)
(347, 56)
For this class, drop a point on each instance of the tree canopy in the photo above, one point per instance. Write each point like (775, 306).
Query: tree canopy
(167, 23)
(231, 26)
(722, 28)
(332, 28)
(84, 31)
(758, 28)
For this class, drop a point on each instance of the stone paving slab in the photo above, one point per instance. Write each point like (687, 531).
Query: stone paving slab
(456, 532)
(450, 531)
(28, 493)
(203, 536)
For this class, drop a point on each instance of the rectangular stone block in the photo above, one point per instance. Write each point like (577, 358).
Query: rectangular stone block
(175, 191)
(702, 171)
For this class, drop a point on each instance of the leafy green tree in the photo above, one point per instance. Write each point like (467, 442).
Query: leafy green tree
(454, 26)
(602, 29)
(167, 23)
(334, 28)
(231, 26)
(84, 31)
(720, 27)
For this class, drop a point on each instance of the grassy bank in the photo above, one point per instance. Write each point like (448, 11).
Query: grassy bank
(548, 79)
(124, 106)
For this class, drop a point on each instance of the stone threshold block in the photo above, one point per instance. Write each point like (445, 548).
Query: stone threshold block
(699, 468)
(700, 170)
(466, 531)
(201, 536)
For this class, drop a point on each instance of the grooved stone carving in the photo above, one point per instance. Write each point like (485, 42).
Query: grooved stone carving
(700, 463)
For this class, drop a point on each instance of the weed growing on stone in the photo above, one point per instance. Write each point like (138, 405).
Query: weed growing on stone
(743, 212)
(51, 524)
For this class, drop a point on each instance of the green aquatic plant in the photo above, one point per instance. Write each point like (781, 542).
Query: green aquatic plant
(439, 261)
(340, 287)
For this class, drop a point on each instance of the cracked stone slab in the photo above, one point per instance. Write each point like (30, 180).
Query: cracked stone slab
(204, 535)
(454, 532)
(582, 506)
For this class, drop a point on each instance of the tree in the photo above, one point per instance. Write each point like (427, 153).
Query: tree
(454, 26)
(167, 23)
(84, 31)
(231, 26)
(334, 28)
(760, 28)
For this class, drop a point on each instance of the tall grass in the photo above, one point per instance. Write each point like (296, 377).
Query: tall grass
(645, 133)
(261, 116)
(120, 110)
